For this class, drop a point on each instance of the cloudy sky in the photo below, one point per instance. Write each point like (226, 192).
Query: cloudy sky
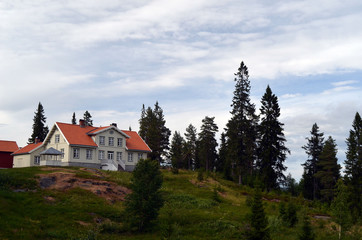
(109, 57)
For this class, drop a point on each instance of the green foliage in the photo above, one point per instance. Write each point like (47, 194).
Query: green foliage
(328, 169)
(353, 167)
(258, 220)
(74, 120)
(241, 130)
(208, 143)
(200, 175)
(154, 132)
(87, 117)
(190, 147)
(272, 151)
(313, 149)
(177, 151)
(143, 204)
(40, 131)
(306, 232)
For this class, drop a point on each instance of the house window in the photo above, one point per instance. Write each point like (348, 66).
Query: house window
(75, 152)
(130, 157)
(111, 141)
(89, 153)
(102, 140)
(140, 155)
(110, 155)
(57, 138)
(119, 156)
(101, 154)
(119, 142)
(37, 160)
(62, 151)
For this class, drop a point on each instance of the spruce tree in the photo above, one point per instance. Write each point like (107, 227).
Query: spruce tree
(154, 132)
(313, 148)
(328, 169)
(306, 231)
(208, 143)
(40, 131)
(87, 117)
(74, 120)
(272, 151)
(177, 151)
(190, 147)
(143, 204)
(241, 128)
(353, 166)
(223, 165)
(258, 222)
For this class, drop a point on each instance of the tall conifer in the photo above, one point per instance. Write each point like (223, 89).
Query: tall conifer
(272, 151)
(87, 117)
(190, 146)
(177, 151)
(353, 166)
(74, 120)
(313, 148)
(208, 143)
(241, 129)
(39, 129)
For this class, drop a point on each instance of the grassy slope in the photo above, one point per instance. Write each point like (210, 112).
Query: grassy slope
(190, 210)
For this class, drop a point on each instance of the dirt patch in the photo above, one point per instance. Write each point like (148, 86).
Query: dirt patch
(67, 180)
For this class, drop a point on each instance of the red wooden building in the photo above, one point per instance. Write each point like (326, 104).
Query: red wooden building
(6, 149)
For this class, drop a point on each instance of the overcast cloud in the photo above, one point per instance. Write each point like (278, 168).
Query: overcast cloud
(109, 57)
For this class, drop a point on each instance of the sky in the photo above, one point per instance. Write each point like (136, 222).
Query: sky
(109, 57)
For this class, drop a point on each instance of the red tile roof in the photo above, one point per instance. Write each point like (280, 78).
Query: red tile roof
(8, 146)
(135, 142)
(77, 135)
(28, 148)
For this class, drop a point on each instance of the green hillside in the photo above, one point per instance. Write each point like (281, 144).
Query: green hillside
(78, 203)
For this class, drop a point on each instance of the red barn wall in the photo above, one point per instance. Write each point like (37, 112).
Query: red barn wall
(6, 160)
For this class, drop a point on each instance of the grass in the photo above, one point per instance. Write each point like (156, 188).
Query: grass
(191, 210)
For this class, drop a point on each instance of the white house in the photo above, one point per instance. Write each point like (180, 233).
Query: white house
(66, 144)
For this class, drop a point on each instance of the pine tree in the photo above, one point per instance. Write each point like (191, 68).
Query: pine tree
(353, 166)
(40, 131)
(74, 120)
(223, 165)
(177, 151)
(313, 148)
(143, 204)
(258, 222)
(241, 129)
(272, 151)
(328, 169)
(208, 143)
(87, 117)
(154, 132)
(190, 146)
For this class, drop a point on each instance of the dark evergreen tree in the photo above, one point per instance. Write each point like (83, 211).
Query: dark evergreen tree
(190, 147)
(154, 131)
(87, 117)
(313, 148)
(241, 130)
(208, 143)
(40, 131)
(223, 165)
(177, 151)
(291, 185)
(143, 204)
(271, 151)
(74, 120)
(306, 231)
(258, 222)
(328, 169)
(353, 166)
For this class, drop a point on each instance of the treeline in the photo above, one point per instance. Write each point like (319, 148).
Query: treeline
(254, 147)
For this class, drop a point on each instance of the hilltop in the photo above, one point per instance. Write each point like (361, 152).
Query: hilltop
(81, 203)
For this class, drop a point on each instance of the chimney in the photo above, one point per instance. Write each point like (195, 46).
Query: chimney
(81, 123)
(114, 124)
